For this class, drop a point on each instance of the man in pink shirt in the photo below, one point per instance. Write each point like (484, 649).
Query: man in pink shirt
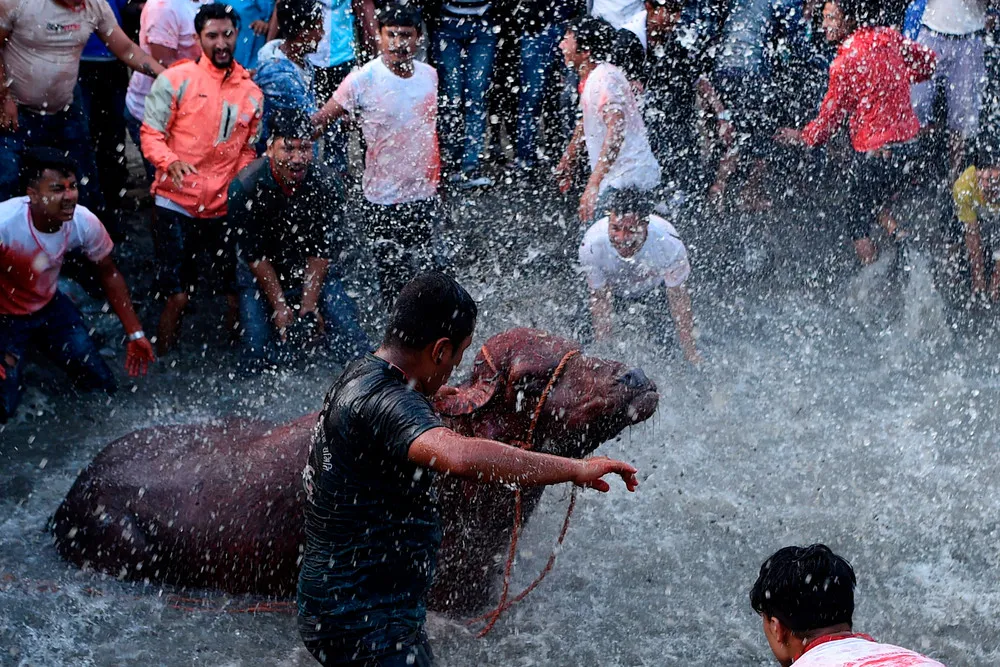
(805, 598)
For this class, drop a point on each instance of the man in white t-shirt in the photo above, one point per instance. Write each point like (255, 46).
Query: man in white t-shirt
(611, 128)
(629, 256)
(36, 232)
(954, 29)
(805, 598)
(394, 97)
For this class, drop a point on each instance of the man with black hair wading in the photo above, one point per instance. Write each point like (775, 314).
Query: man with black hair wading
(611, 129)
(805, 598)
(394, 98)
(869, 86)
(372, 528)
(36, 232)
(629, 256)
(287, 212)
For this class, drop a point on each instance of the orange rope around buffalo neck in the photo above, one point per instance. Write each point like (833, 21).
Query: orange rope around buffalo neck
(504, 604)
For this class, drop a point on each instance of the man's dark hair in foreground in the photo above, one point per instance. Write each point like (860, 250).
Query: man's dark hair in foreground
(372, 527)
(805, 598)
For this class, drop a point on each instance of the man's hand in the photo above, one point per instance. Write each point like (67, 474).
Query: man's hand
(789, 136)
(259, 27)
(593, 469)
(178, 169)
(138, 356)
(282, 318)
(588, 202)
(8, 115)
(564, 175)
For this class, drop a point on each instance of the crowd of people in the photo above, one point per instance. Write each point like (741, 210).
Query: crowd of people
(244, 115)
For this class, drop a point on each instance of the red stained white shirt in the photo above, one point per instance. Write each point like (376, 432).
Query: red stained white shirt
(860, 651)
(870, 85)
(30, 260)
(399, 121)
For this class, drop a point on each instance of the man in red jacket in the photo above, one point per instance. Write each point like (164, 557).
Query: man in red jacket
(870, 86)
(199, 129)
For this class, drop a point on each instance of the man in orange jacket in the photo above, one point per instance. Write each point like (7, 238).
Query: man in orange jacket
(199, 131)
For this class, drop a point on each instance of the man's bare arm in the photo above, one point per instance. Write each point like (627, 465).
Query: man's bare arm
(443, 450)
(330, 112)
(129, 53)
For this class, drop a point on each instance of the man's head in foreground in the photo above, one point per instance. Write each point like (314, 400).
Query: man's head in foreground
(431, 324)
(399, 31)
(803, 593)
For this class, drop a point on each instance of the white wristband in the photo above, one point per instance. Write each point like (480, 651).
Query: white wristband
(135, 335)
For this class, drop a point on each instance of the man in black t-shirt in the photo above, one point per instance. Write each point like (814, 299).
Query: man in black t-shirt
(288, 214)
(372, 527)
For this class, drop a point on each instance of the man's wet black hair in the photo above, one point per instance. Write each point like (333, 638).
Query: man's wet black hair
(35, 161)
(630, 200)
(400, 15)
(297, 16)
(806, 588)
(218, 11)
(593, 35)
(430, 307)
(289, 124)
(862, 12)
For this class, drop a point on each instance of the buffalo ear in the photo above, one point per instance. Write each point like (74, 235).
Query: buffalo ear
(464, 399)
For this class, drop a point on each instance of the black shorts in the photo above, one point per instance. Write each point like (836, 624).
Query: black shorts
(874, 180)
(188, 249)
(750, 99)
(413, 651)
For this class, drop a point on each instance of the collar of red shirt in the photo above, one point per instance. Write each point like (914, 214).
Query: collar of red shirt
(835, 637)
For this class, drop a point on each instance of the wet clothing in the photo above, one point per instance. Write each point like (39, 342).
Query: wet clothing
(873, 179)
(859, 650)
(371, 521)
(870, 85)
(606, 89)
(285, 85)
(970, 202)
(402, 237)
(207, 117)
(43, 53)
(960, 74)
(661, 261)
(398, 119)
(32, 260)
(59, 330)
(285, 228)
(186, 249)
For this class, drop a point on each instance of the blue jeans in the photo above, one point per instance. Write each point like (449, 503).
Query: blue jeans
(66, 130)
(58, 329)
(344, 338)
(539, 55)
(463, 51)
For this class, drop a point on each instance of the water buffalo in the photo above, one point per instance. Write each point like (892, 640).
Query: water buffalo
(219, 505)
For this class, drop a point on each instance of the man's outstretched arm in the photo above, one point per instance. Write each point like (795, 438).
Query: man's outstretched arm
(443, 450)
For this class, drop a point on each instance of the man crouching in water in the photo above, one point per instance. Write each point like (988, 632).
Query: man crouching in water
(372, 528)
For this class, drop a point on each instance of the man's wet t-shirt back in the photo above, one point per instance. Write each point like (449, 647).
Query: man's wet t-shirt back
(372, 529)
